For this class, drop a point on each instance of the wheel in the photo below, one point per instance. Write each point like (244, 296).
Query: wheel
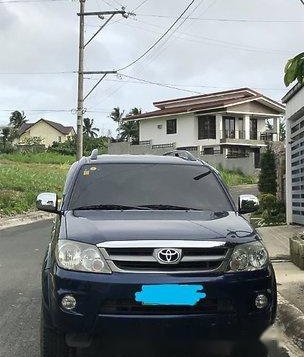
(249, 348)
(52, 342)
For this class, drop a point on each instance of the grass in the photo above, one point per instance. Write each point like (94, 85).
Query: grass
(236, 178)
(39, 158)
(24, 176)
(21, 182)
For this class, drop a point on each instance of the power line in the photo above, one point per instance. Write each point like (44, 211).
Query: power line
(159, 84)
(37, 73)
(29, 1)
(140, 5)
(196, 38)
(146, 82)
(225, 19)
(159, 39)
(302, 1)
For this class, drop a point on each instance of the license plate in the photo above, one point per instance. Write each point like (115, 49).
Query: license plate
(170, 294)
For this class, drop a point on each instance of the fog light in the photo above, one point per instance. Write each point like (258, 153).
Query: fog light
(261, 301)
(68, 302)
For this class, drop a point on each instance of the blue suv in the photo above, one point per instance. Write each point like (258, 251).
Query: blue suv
(142, 243)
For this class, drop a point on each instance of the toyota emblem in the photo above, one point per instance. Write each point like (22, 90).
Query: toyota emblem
(168, 255)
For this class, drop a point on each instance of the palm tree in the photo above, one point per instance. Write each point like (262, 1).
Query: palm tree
(88, 129)
(5, 135)
(116, 114)
(17, 119)
(134, 111)
(129, 130)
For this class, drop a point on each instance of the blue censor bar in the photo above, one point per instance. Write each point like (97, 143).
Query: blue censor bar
(170, 294)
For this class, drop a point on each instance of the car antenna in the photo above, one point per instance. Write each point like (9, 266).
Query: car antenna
(94, 154)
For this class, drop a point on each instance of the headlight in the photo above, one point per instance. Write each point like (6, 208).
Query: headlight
(249, 257)
(78, 256)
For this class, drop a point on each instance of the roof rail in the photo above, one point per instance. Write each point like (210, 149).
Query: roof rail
(183, 154)
(94, 154)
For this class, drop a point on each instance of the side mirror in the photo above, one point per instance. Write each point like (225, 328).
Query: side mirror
(47, 202)
(248, 204)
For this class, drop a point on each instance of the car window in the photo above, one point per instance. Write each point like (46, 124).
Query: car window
(189, 186)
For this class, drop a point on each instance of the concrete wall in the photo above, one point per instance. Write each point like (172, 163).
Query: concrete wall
(245, 164)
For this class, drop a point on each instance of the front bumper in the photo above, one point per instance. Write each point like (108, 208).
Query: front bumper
(105, 304)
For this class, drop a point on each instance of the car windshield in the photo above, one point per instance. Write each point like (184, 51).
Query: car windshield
(148, 186)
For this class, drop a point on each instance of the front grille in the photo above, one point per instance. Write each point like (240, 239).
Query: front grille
(182, 266)
(131, 307)
(141, 256)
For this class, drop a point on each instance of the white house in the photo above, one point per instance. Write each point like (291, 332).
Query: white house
(294, 100)
(232, 122)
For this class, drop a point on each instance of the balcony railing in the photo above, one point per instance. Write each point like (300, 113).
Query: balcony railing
(253, 135)
(234, 134)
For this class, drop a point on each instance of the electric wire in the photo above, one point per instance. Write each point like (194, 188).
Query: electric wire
(158, 40)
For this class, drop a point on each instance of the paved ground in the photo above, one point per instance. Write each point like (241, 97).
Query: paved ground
(277, 239)
(21, 252)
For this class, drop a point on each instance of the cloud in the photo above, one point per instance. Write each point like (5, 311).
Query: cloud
(201, 56)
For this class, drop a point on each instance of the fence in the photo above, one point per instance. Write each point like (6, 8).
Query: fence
(244, 164)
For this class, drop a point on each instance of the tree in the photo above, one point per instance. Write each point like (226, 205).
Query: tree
(294, 70)
(88, 129)
(116, 114)
(17, 119)
(282, 134)
(268, 175)
(5, 135)
(129, 130)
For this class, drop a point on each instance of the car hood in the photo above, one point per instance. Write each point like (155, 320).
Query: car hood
(99, 226)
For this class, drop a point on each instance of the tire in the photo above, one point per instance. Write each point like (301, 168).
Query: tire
(249, 348)
(52, 342)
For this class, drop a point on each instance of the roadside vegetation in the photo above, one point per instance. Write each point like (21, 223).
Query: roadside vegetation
(24, 176)
(236, 178)
(272, 210)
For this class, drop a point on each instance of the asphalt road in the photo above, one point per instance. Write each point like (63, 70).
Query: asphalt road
(21, 253)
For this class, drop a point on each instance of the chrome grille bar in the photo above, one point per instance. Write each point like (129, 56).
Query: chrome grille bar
(138, 256)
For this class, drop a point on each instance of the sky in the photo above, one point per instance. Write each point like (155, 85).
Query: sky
(221, 45)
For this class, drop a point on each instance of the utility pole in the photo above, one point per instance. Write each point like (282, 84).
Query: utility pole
(79, 142)
(81, 98)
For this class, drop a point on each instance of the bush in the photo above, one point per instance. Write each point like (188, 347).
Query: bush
(271, 211)
(268, 176)
(69, 146)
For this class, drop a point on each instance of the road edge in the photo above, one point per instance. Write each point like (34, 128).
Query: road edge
(23, 219)
(292, 321)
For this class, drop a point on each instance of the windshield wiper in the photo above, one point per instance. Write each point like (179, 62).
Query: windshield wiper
(170, 207)
(111, 207)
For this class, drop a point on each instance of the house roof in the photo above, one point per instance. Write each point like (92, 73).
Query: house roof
(211, 101)
(65, 130)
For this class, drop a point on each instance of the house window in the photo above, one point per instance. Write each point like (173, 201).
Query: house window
(241, 129)
(206, 127)
(59, 139)
(253, 129)
(229, 125)
(208, 151)
(171, 126)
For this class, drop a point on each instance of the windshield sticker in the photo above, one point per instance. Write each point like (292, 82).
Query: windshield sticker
(170, 294)
(86, 173)
(93, 168)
